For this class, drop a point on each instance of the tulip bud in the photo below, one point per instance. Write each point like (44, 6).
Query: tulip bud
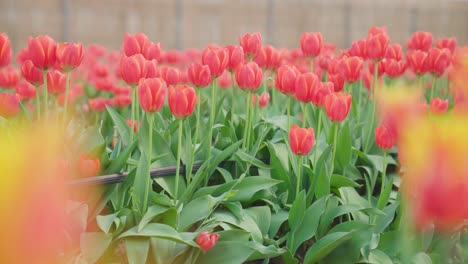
(5, 50)
(170, 75)
(286, 79)
(301, 140)
(384, 138)
(311, 43)
(42, 51)
(263, 99)
(152, 94)
(251, 43)
(249, 76)
(206, 240)
(416, 60)
(305, 86)
(376, 46)
(199, 75)
(182, 100)
(322, 90)
(69, 55)
(88, 166)
(337, 106)
(236, 57)
(216, 58)
(8, 77)
(420, 41)
(135, 44)
(55, 82)
(351, 68)
(439, 106)
(133, 68)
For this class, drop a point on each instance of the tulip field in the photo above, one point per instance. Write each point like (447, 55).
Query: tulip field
(245, 153)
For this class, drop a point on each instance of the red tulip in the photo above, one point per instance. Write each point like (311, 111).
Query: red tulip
(305, 86)
(206, 240)
(225, 80)
(152, 94)
(9, 77)
(394, 52)
(351, 68)
(447, 43)
(438, 60)
(337, 106)
(122, 90)
(133, 68)
(104, 84)
(152, 51)
(136, 44)
(99, 104)
(420, 41)
(169, 74)
(42, 51)
(263, 99)
(380, 67)
(25, 90)
(55, 82)
(322, 90)
(152, 70)
(337, 80)
(216, 58)
(439, 106)
(374, 30)
(236, 57)
(358, 48)
(376, 46)
(122, 100)
(384, 138)
(69, 55)
(249, 76)
(301, 140)
(416, 60)
(268, 57)
(9, 105)
(394, 68)
(182, 100)
(5, 50)
(311, 43)
(333, 66)
(251, 43)
(286, 79)
(199, 75)
(88, 166)
(367, 79)
(22, 56)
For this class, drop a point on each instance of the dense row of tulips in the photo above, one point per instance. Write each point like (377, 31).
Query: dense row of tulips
(341, 116)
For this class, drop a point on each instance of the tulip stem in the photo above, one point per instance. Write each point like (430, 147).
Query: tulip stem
(65, 104)
(374, 91)
(384, 179)
(212, 116)
(233, 99)
(319, 127)
(132, 115)
(38, 104)
(299, 174)
(150, 153)
(433, 87)
(288, 110)
(46, 111)
(179, 148)
(304, 114)
(312, 64)
(359, 91)
(195, 138)
(247, 120)
(335, 136)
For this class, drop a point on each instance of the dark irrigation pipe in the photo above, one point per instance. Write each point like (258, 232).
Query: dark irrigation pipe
(120, 177)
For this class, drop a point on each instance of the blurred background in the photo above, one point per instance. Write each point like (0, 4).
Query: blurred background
(194, 23)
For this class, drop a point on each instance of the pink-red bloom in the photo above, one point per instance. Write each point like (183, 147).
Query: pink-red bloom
(394, 68)
(42, 51)
(301, 140)
(394, 52)
(5, 50)
(9, 105)
(9, 77)
(88, 166)
(447, 43)
(286, 79)
(133, 68)
(416, 60)
(311, 43)
(351, 68)
(55, 82)
(69, 55)
(438, 60)
(216, 58)
(182, 100)
(249, 76)
(152, 94)
(337, 106)
(25, 90)
(206, 240)
(236, 57)
(225, 80)
(384, 138)
(420, 41)
(268, 57)
(251, 43)
(263, 99)
(305, 86)
(199, 75)
(439, 106)
(136, 44)
(376, 46)
(322, 90)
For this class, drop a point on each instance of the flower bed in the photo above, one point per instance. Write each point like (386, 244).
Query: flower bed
(244, 153)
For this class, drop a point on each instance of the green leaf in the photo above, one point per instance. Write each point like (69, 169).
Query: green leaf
(339, 181)
(249, 159)
(297, 212)
(93, 245)
(152, 212)
(379, 257)
(343, 147)
(279, 163)
(105, 222)
(161, 231)
(163, 250)
(325, 245)
(118, 164)
(308, 226)
(197, 210)
(262, 216)
(322, 187)
(121, 124)
(421, 258)
(247, 223)
(141, 187)
(162, 199)
(351, 196)
(137, 249)
(385, 194)
(384, 221)
(226, 252)
(276, 221)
